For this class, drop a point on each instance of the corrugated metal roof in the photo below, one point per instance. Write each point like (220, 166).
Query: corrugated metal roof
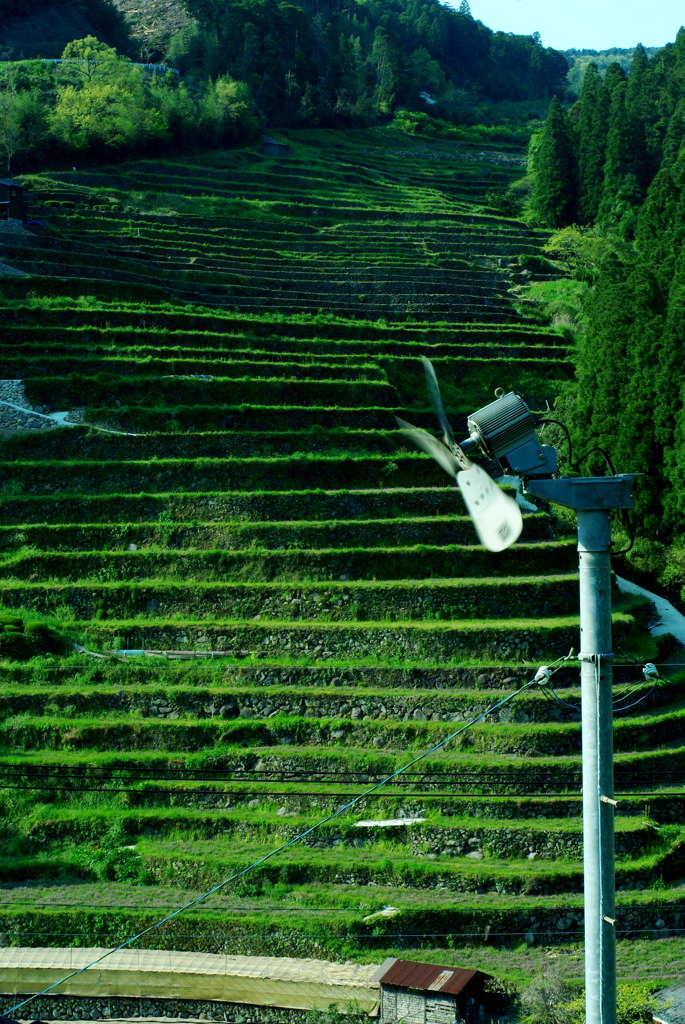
(429, 977)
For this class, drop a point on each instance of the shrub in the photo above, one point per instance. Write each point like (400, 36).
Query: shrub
(20, 641)
(10, 620)
(546, 1001)
(333, 1015)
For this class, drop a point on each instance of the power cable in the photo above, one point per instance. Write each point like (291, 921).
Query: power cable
(286, 845)
(623, 514)
(649, 671)
(576, 464)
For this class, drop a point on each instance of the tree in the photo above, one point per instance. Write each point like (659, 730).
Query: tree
(626, 169)
(614, 76)
(424, 74)
(227, 113)
(593, 127)
(634, 444)
(675, 133)
(105, 114)
(551, 999)
(89, 60)
(11, 131)
(176, 107)
(195, 51)
(209, 13)
(603, 357)
(555, 189)
(23, 125)
(384, 60)
(636, 98)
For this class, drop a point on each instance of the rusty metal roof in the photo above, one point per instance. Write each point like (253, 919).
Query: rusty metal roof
(429, 977)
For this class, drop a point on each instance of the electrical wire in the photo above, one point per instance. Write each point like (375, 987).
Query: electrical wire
(630, 688)
(627, 523)
(577, 463)
(551, 694)
(624, 516)
(635, 704)
(357, 799)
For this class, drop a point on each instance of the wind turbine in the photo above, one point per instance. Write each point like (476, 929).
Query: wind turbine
(505, 431)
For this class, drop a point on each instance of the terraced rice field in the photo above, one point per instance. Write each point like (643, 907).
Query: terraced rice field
(236, 336)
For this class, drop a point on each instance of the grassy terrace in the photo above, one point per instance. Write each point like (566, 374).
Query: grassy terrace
(235, 336)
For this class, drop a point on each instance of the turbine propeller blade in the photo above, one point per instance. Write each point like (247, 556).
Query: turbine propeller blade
(431, 446)
(496, 517)
(436, 400)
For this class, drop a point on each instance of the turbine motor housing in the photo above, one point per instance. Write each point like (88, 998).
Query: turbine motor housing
(505, 430)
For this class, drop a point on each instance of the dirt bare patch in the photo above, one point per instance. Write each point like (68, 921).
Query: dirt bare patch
(152, 23)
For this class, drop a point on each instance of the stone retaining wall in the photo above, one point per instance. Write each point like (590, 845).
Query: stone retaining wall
(323, 643)
(229, 705)
(77, 1008)
(12, 419)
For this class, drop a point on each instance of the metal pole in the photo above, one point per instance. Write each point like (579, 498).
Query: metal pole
(594, 538)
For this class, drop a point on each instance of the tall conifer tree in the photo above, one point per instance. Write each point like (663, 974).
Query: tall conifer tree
(637, 96)
(624, 165)
(555, 192)
(593, 127)
(602, 370)
(614, 76)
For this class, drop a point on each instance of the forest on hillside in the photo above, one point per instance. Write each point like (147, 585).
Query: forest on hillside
(242, 65)
(337, 62)
(609, 173)
(580, 60)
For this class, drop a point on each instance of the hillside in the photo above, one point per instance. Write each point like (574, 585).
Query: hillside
(310, 63)
(580, 59)
(233, 335)
(43, 28)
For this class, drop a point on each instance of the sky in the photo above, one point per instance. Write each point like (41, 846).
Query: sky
(584, 24)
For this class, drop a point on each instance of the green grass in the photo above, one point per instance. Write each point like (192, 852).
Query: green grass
(282, 480)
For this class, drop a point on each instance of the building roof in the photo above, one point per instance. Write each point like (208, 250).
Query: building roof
(9, 182)
(429, 977)
(673, 998)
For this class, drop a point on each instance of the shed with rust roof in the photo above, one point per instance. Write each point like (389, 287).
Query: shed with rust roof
(416, 993)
